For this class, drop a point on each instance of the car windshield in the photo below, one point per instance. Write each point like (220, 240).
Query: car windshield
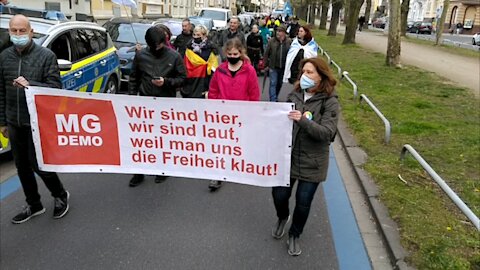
(129, 33)
(213, 14)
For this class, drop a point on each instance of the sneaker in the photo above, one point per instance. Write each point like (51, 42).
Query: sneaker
(160, 179)
(293, 246)
(61, 206)
(214, 185)
(279, 229)
(27, 213)
(136, 180)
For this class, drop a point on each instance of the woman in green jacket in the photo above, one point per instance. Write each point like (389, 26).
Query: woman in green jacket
(315, 125)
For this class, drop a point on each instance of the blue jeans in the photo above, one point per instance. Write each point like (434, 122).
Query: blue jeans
(276, 81)
(303, 200)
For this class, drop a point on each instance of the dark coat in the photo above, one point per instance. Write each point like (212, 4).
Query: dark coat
(254, 47)
(276, 53)
(311, 138)
(147, 66)
(226, 35)
(181, 43)
(38, 65)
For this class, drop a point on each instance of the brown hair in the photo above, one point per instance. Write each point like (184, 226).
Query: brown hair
(308, 34)
(237, 44)
(328, 82)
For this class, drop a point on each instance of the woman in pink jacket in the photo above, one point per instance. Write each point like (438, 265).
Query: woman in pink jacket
(235, 79)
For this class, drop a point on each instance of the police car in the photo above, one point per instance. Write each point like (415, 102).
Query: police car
(85, 53)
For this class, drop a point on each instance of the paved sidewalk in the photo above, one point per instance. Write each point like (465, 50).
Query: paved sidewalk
(462, 70)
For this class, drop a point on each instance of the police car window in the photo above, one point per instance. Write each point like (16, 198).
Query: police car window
(82, 42)
(101, 38)
(61, 47)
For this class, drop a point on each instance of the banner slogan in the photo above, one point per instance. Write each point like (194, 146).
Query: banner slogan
(234, 141)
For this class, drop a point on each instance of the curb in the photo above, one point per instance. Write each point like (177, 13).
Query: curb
(385, 225)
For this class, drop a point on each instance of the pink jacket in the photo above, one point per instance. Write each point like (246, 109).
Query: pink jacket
(244, 86)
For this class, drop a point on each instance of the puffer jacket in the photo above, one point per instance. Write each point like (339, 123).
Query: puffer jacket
(146, 66)
(311, 138)
(38, 65)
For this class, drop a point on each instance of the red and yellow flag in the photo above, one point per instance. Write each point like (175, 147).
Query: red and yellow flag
(197, 67)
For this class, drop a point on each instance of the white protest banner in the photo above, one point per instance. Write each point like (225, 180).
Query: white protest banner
(235, 141)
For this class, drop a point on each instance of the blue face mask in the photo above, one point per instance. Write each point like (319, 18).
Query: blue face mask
(306, 83)
(20, 41)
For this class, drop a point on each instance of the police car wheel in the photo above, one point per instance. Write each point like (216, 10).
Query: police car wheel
(112, 86)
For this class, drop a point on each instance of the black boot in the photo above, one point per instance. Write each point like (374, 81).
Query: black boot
(136, 180)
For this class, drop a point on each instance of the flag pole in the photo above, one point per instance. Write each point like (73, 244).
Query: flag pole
(129, 19)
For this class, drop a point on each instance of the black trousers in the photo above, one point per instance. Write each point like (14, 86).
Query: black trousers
(26, 162)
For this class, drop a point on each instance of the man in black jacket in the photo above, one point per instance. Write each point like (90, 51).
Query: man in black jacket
(156, 71)
(22, 65)
(184, 38)
(231, 32)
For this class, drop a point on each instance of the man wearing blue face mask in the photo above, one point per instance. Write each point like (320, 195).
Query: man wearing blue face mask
(22, 65)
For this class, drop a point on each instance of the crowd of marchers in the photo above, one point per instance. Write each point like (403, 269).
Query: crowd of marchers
(225, 68)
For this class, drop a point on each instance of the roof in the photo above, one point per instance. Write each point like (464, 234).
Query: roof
(217, 9)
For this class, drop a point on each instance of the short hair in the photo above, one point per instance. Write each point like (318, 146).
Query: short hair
(328, 82)
(186, 20)
(234, 17)
(202, 29)
(155, 36)
(165, 29)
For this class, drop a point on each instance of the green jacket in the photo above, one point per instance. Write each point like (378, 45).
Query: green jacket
(311, 138)
(276, 53)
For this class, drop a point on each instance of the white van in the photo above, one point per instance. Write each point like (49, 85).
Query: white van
(220, 16)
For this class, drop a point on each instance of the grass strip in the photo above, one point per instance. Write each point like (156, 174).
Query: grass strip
(442, 122)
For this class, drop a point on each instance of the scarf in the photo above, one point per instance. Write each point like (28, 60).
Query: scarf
(309, 51)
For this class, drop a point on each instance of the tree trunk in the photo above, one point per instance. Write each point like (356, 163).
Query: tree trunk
(312, 12)
(368, 10)
(336, 7)
(404, 15)
(440, 24)
(323, 18)
(393, 47)
(351, 24)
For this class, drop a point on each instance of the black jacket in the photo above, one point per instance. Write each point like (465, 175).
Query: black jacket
(147, 66)
(38, 65)
(311, 138)
(293, 30)
(181, 43)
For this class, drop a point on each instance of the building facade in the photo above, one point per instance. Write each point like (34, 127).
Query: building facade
(466, 13)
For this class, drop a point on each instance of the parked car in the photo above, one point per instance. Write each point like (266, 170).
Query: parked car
(126, 34)
(85, 52)
(425, 28)
(476, 39)
(220, 16)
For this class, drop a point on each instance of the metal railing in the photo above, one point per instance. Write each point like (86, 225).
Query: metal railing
(355, 88)
(388, 128)
(338, 68)
(473, 218)
(328, 57)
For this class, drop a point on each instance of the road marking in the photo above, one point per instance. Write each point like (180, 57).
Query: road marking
(348, 241)
(9, 186)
